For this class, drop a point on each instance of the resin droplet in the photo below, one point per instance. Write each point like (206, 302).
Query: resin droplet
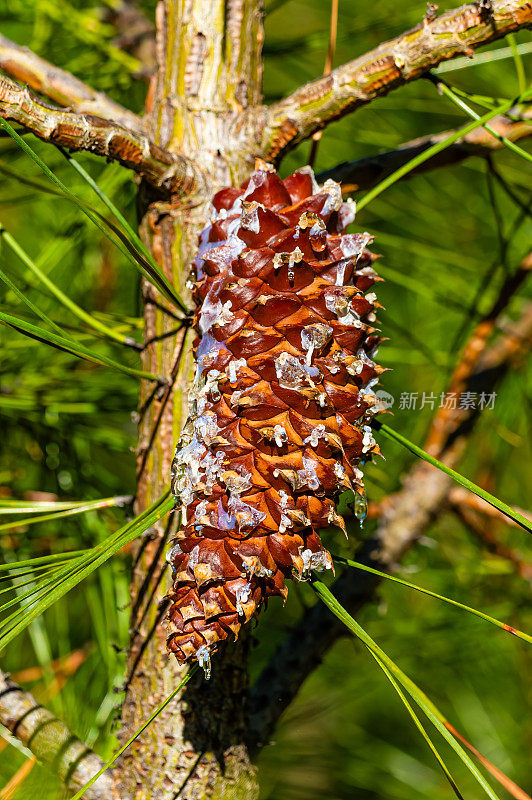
(315, 337)
(317, 232)
(292, 374)
(368, 442)
(361, 507)
(288, 258)
(204, 660)
(317, 433)
(242, 596)
(334, 201)
(285, 521)
(315, 561)
(250, 216)
(280, 436)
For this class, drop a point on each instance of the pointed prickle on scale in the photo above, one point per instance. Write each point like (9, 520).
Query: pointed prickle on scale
(281, 404)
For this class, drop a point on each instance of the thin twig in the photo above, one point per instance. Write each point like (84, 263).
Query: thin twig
(392, 64)
(448, 419)
(476, 514)
(462, 498)
(8, 791)
(478, 517)
(333, 31)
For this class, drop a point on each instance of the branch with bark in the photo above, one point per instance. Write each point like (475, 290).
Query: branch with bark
(167, 172)
(364, 173)
(61, 87)
(50, 741)
(461, 498)
(392, 64)
(405, 516)
(447, 420)
(478, 517)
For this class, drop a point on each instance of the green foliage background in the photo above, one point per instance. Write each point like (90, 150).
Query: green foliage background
(447, 240)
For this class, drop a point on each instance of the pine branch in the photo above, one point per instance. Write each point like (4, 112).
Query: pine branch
(166, 171)
(61, 87)
(425, 491)
(368, 172)
(461, 498)
(447, 420)
(478, 517)
(50, 740)
(392, 64)
(405, 516)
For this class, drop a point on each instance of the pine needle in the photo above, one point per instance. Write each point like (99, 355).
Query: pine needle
(507, 510)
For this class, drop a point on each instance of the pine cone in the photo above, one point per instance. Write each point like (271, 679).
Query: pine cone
(281, 402)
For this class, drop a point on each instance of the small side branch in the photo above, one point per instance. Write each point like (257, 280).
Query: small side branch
(61, 87)
(365, 173)
(401, 60)
(479, 518)
(447, 420)
(461, 498)
(166, 171)
(50, 741)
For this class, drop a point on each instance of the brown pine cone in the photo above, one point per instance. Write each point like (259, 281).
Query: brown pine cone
(281, 402)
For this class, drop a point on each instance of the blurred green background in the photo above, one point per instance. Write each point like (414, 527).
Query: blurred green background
(447, 240)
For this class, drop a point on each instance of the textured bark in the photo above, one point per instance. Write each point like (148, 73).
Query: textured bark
(208, 75)
(392, 64)
(61, 87)
(100, 136)
(209, 72)
(50, 741)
